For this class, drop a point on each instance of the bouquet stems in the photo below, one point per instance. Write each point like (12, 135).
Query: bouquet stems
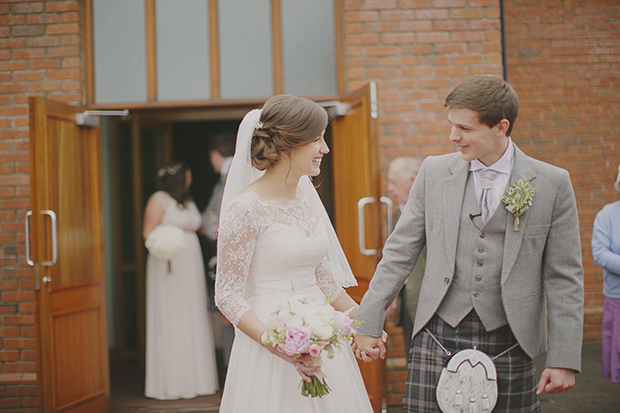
(315, 388)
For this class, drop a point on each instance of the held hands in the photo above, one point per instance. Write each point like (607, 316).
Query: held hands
(368, 348)
(555, 380)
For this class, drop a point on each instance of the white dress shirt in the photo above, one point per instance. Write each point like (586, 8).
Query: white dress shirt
(503, 168)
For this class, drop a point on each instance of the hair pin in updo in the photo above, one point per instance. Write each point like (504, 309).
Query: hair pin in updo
(170, 169)
(258, 125)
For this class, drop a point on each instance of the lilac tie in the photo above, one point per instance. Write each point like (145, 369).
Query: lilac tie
(486, 179)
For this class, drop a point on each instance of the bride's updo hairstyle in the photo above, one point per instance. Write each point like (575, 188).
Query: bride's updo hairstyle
(286, 122)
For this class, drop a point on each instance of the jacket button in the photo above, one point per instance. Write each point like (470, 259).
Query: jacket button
(482, 235)
(446, 281)
(480, 263)
(480, 249)
(476, 294)
(478, 278)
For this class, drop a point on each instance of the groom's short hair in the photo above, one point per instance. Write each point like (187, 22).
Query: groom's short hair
(489, 95)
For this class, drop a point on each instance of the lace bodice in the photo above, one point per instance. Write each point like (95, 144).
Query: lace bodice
(265, 247)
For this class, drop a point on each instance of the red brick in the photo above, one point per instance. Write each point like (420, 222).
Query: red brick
(14, 297)
(10, 402)
(28, 53)
(28, 76)
(18, 343)
(42, 18)
(9, 355)
(67, 28)
(44, 41)
(70, 17)
(63, 51)
(59, 6)
(43, 86)
(12, 43)
(45, 64)
(21, 390)
(70, 40)
(12, 20)
(29, 30)
(27, 8)
(64, 74)
(9, 332)
(19, 367)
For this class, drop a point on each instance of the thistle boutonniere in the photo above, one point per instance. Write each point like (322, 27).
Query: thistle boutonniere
(519, 198)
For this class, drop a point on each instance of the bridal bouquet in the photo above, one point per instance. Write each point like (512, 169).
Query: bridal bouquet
(307, 326)
(165, 241)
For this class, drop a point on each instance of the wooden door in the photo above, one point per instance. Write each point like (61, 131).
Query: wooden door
(357, 177)
(66, 250)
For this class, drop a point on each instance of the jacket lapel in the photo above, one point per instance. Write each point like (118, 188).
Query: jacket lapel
(453, 192)
(512, 241)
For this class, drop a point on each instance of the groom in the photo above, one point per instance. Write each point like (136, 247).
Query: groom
(486, 284)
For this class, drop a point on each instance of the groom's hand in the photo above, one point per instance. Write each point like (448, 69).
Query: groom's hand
(368, 348)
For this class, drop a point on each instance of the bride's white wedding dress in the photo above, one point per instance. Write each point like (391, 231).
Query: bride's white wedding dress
(266, 248)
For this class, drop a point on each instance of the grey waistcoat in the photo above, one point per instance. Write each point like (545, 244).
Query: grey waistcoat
(479, 254)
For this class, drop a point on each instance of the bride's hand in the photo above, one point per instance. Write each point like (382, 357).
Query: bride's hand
(304, 364)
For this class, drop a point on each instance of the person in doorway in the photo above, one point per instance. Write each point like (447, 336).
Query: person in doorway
(512, 289)
(401, 174)
(221, 151)
(606, 253)
(180, 355)
(275, 235)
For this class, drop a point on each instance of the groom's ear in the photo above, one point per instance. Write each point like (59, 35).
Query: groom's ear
(502, 127)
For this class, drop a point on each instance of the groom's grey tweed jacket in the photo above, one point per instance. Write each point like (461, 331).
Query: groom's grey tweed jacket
(541, 272)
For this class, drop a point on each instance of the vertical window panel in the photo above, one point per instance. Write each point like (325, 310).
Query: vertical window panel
(246, 62)
(182, 50)
(119, 51)
(308, 47)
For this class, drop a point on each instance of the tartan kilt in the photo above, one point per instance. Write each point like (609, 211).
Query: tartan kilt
(516, 375)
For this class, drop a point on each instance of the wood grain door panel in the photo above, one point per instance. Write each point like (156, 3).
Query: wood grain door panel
(70, 316)
(356, 176)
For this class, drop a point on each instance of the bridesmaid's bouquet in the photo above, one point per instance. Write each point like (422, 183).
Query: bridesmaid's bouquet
(307, 326)
(165, 241)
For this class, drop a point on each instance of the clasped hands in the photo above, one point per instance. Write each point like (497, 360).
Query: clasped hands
(369, 348)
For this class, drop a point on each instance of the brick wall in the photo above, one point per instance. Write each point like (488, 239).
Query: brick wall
(563, 58)
(40, 54)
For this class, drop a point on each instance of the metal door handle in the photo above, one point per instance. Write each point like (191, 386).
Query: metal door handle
(47, 280)
(390, 205)
(361, 225)
(27, 229)
(54, 240)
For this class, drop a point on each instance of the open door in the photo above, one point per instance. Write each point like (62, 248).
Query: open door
(64, 244)
(357, 210)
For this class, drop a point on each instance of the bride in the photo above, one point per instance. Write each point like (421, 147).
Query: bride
(275, 236)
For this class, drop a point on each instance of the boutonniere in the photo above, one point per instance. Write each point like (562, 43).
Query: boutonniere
(519, 198)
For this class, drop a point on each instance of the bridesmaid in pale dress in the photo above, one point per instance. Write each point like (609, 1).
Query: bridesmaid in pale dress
(180, 355)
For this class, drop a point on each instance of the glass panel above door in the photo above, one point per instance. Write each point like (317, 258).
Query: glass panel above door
(119, 51)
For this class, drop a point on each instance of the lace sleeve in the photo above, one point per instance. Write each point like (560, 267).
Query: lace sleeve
(236, 242)
(326, 281)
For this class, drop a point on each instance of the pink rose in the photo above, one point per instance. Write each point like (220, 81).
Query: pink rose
(345, 323)
(314, 350)
(298, 340)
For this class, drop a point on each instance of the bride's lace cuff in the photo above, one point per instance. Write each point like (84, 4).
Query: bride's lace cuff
(236, 242)
(326, 281)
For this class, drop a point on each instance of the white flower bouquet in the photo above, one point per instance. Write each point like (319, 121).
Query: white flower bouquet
(165, 242)
(307, 326)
